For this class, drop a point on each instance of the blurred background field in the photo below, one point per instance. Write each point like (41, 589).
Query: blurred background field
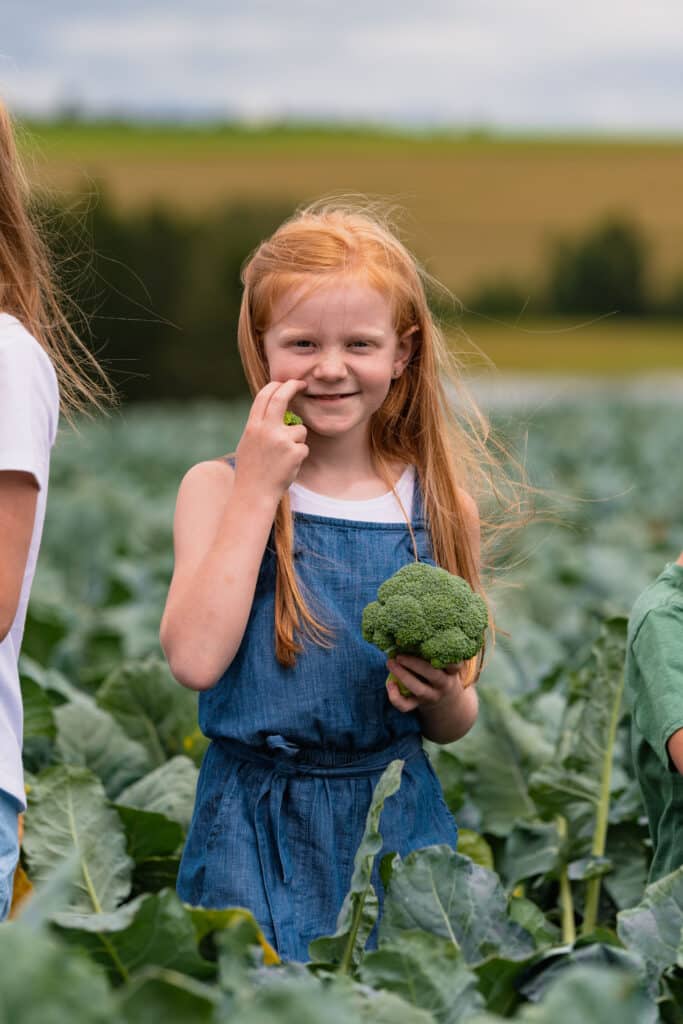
(559, 254)
(476, 207)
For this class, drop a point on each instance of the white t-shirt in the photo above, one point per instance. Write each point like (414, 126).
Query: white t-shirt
(383, 509)
(29, 412)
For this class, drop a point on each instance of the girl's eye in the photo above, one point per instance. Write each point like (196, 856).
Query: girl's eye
(301, 343)
(365, 344)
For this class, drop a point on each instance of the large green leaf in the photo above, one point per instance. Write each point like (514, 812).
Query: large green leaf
(590, 995)
(291, 995)
(653, 928)
(39, 725)
(359, 910)
(427, 971)
(149, 834)
(156, 873)
(160, 994)
(237, 932)
(47, 624)
(387, 1008)
(154, 928)
(446, 894)
(68, 812)
(531, 848)
(474, 846)
(501, 737)
(89, 736)
(41, 982)
(557, 962)
(526, 913)
(499, 982)
(54, 683)
(168, 790)
(450, 770)
(577, 784)
(151, 707)
(626, 849)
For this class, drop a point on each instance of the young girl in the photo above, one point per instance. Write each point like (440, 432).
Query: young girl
(279, 548)
(38, 358)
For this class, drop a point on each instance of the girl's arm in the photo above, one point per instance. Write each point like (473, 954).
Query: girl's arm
(18, 498)
(222, 524)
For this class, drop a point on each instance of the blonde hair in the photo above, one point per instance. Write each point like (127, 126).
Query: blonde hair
(29, 292)
(417, 423)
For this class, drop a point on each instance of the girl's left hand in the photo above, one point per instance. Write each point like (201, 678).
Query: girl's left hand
(428, 685)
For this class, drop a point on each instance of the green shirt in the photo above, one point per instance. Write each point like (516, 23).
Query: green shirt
(654, 688)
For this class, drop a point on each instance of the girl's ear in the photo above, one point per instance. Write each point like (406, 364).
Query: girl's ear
(405, 347)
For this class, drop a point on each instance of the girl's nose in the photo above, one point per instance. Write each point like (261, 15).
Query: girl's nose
(330, 367)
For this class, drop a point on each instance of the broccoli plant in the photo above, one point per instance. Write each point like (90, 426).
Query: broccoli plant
(291, 419)
(429, 612)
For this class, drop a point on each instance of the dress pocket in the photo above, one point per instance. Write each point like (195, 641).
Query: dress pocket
(223, 787)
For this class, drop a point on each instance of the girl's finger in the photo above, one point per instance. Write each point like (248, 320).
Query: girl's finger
(279, 400)
(400, 702)
(417, 686)
(299, 433)
(260, 403)
(419, 667)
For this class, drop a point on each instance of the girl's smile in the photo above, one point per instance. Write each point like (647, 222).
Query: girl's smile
(330, 398)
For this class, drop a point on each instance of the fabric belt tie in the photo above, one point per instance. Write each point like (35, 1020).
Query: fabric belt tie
(283, 760)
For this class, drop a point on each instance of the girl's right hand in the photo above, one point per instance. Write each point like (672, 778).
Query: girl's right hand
(270, 453)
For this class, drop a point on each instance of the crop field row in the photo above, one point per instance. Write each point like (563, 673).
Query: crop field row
(474, 208)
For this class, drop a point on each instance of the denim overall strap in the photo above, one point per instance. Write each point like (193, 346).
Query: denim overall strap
(284, 759)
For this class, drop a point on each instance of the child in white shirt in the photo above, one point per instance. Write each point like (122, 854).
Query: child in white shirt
(37, 348)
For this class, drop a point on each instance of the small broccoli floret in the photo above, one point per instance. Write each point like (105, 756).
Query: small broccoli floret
(425, 610)
(403, 618)
(449, 647)
(291, 419)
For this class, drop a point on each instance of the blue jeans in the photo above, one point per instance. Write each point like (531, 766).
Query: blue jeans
(9, 849)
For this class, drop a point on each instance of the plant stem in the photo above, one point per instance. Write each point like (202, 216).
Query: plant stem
(566, 900)
(590, 916)
(347, 958)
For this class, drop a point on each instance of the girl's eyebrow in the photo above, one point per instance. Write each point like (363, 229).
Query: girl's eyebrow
(304, 332)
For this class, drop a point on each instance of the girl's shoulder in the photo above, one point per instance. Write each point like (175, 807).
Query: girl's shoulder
(203, 495)
(29, 392)
(468, 505)
(23, 349)
(209, 474)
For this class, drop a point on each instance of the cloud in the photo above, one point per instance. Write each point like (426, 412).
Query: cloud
(612, 63)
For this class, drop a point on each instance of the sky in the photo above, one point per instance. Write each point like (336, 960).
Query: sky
(593, 65)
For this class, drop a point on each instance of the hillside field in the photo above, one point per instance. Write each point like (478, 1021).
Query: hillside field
(474, 208)
(609, 347)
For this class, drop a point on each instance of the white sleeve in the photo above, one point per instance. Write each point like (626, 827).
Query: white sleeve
(29, 407)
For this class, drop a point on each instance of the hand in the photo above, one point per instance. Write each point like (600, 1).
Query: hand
(270, 453)
(428, 685)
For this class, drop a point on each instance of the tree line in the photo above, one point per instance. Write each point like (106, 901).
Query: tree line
(157, 293)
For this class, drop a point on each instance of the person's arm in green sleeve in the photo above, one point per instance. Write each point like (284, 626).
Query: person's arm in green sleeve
(675, 742)
(658, 710)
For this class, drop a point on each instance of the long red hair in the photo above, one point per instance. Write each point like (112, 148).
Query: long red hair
(418, 423)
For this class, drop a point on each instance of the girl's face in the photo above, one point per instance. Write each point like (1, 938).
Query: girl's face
(340, 339)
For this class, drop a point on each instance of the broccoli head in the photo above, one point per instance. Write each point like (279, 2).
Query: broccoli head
(427, 611)
(291, 419)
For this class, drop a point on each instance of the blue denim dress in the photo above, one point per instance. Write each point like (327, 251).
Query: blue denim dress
(286, 782)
